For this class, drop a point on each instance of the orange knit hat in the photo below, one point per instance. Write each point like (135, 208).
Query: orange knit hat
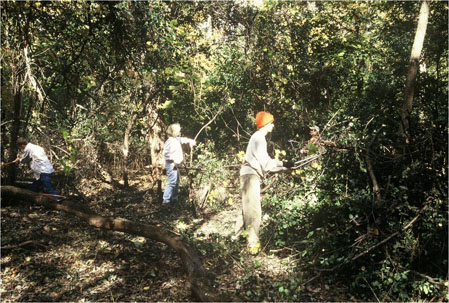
(263, 118)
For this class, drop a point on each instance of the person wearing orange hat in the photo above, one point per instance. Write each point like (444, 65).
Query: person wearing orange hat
(257, 163)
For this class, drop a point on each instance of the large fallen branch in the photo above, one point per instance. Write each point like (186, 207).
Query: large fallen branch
(197, 275)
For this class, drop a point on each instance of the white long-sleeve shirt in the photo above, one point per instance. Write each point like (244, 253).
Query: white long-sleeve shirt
(257, 160)
(39, 161)
(173, 149)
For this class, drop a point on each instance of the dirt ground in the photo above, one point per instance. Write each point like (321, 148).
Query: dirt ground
(48, 255)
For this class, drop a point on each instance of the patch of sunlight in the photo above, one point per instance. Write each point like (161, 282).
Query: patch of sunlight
(180, 225)
(313, 199)
(109, 280)
(89, 275)
(103, 244)
(275, 265)
(6, 259)
(221, 223)
(139, 241)
(170, 283)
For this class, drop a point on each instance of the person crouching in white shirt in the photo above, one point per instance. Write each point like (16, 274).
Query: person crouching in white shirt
(39, 164)
(173, 158)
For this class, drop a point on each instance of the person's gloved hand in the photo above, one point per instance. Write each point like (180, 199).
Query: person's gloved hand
(288, 164)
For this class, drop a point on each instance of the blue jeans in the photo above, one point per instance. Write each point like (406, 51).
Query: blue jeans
(44, 182)
(172, 187)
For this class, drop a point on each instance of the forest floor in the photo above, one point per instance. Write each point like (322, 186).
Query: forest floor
(48, 255)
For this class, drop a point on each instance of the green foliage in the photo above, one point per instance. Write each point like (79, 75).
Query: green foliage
(213, 180)
(339, 65)
(329, 215)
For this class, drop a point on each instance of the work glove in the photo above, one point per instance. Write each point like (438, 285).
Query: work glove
(288, 164)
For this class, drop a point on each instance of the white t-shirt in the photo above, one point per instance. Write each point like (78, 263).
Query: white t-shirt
(39, 161)
(257, 160)
(173, 149)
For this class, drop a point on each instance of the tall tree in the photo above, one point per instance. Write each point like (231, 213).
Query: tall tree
(413, 68)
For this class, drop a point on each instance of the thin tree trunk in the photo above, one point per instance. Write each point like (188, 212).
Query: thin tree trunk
(18, 105)
(413, 68)
(31, 80)
(155, 141)
(126, 149)
(376, 188)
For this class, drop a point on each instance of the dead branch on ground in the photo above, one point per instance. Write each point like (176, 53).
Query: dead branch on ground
(197, 275)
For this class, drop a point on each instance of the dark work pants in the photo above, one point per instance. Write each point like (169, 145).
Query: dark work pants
(44, 182)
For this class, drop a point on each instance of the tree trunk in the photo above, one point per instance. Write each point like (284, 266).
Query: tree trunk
(155, 141)
(18, 105)
(31, 80)
(197, 275)
(126, 149)
(15, 44)
(376, 188)
(413, 69)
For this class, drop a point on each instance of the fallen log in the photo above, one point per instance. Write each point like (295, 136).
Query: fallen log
(199, 284)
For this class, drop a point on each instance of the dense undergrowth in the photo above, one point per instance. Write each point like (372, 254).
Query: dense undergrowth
(368, 221)
(317, 221)
(327, 219)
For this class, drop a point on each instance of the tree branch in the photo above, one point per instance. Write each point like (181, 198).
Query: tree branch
(202, 128)
(373, 178)
(392, 235)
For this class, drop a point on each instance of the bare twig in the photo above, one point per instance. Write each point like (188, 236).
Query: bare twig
(373, 178)
(202, 128)
(206, 196)
(430, 279)
(306, 161)
(54, 154)
(310, 280)
(369, 166)
(392, 235)
(208, 123)
(369, 285)
(328, 122)
(368, 123)
(376, 136)
(269, 185)
(6, 122)
(61, 149)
